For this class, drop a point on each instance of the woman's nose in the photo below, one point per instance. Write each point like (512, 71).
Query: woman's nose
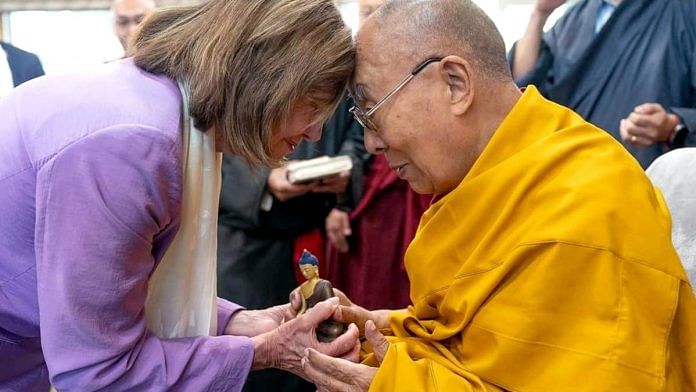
(313, 133)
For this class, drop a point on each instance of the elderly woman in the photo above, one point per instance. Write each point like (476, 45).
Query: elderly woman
(105, 194)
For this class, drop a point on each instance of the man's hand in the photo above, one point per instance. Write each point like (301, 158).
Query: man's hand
(546, 7)
(284, 347)
(348, 312)
(333, 184)
(648, 124)
(281, 188)
(338, 228)
(339, 375)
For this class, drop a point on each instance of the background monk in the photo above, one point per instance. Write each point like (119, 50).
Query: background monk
(531, 272)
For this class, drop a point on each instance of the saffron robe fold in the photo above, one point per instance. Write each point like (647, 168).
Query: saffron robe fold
(549, 268)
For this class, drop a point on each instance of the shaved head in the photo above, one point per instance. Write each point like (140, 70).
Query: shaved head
(367, 8)
(425, 28)
(431, 84)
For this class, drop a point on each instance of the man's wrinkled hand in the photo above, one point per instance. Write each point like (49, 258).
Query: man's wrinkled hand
(340, 375)
(348, 312)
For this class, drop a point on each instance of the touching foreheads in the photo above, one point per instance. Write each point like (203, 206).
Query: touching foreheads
(427, 28)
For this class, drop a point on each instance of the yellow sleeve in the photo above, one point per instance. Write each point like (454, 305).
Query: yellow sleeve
(558, 313)
(681, 349)
(399, 372)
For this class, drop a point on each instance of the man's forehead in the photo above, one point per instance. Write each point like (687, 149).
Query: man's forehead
(367, 71)
(370, 56)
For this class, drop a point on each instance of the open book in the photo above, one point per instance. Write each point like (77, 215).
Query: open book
(302, 172)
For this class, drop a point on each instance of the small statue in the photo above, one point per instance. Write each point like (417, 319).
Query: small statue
(315, 290)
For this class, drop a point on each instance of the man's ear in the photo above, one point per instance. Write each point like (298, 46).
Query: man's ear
(457, 73)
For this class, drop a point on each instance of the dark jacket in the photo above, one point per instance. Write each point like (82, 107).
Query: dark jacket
(646, 52)
(24, 65)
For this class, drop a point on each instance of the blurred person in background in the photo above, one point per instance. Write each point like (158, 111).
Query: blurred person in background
(627, 66)
(103, 191)
(265, 221)
(128, 14)
(389, 210)
(16, 67)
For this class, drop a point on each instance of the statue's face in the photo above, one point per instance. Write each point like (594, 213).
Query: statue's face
(309, 271)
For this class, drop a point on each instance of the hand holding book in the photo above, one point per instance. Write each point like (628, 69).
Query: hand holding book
(300, 172)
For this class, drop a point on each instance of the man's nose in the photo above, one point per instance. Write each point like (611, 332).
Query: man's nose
(373, 143)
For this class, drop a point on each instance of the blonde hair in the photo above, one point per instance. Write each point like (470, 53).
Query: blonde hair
(248, 62)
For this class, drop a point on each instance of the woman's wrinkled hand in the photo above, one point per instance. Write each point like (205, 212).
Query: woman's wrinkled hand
(284, 347)
(340, 375)
(255, 322)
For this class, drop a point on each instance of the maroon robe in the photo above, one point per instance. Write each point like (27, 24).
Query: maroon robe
(384, 222)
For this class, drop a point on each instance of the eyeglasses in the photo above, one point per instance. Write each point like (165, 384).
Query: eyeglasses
(365, 118)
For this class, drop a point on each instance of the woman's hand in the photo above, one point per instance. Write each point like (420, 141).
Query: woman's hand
(255, 322)
(284, 347)
(339, 375)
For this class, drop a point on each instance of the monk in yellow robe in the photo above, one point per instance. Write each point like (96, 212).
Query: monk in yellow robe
(546, 264)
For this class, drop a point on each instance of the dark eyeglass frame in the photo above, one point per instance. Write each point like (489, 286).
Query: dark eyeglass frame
(365, 118)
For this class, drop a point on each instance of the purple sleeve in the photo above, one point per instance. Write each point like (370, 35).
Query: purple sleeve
(102, 203)
(225, 311)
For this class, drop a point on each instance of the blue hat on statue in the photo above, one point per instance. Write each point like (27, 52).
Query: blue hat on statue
(308, 258)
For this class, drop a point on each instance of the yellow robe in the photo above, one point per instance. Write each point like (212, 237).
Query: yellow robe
(549, 268)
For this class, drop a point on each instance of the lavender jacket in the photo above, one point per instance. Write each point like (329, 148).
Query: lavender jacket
(90, 194)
